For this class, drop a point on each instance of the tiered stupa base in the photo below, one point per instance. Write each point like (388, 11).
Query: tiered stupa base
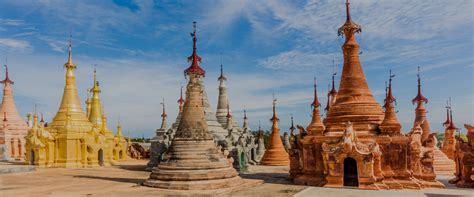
(275, 157)
(194, 165)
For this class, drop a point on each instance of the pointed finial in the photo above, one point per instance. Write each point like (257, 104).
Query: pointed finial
(448, 121)
(451, 121)
(328, 104)
(333, 91)
(42, 118)
(348, 11)
(274, 117)
(222, 77)
(7, 79)
(292, 128)
(164, 111)
(228, 111)
(315, 103)
(389, 96)
(69, 60)
(259, 125)
(419, 97)
(245, 114)
(194, 58)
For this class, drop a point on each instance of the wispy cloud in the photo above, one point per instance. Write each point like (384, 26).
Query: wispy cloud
(8, 44)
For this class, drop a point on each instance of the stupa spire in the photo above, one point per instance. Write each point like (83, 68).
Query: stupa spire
(354, 102)
(194, 58)
(96, 115)
(420, 111)
(315, 101)
(448, 120)
(88, 103)
(181, 101)
(69, 63)
(223, 100)
(194, 160)
(419, 99)
(275, 155)
(316, 127)
(163, 116)
(7, 79)
(328, 103)
(70, 100)
(119, 129)
(274, 118)
(451, 125)
(229, 119)
(246, 124)
(390, 123)
(292, 127)
(333, 92)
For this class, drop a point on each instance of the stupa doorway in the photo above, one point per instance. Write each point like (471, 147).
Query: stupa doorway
(101, 157)
(350, 172)
(32, 161)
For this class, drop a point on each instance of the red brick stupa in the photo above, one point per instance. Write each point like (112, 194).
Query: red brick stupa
(275, 155)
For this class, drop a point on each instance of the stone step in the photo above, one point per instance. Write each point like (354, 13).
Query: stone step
(442, 164)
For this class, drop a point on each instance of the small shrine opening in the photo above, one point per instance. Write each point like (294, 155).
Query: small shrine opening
(32, 160)
(350, 172)
(101, 157)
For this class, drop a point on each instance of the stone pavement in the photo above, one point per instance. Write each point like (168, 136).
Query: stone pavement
(126, 178)
(15, 167)
(450, 190)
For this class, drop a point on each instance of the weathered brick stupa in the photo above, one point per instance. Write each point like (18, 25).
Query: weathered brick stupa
(13, 128)
(449, 143)
(464, 158)
(354, 101)
(193, 161)
(359, 144)
(275, 155)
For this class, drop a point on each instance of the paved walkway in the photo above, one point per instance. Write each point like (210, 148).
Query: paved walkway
(126, 178)
(15, 167)
(450, 190)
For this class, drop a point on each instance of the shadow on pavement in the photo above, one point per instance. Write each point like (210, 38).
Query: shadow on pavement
(123, 180)
(268, 177)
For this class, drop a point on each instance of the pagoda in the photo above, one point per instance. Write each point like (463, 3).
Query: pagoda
(449, 142)
(158, 142)
(13, 128)
(358, 144)
(193, 161)
(354, 101)
(74, 139)
(275, 154)
(420, 111)
(223, 102)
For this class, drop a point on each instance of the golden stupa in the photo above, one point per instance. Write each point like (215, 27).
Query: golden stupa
(74, 139)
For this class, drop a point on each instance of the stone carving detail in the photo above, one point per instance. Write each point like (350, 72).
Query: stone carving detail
(464, 158)
(358, 144)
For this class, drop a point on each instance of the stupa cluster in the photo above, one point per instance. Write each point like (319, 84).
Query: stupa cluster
(240, 142)
(74, 138)
(358, 143)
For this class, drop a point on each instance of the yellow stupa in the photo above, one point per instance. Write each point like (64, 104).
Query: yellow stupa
(74, 139)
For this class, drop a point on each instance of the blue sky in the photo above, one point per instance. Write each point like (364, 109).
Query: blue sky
(140, 48)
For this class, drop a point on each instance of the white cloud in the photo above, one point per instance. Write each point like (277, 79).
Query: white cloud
(9, 44)
(290, 60)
